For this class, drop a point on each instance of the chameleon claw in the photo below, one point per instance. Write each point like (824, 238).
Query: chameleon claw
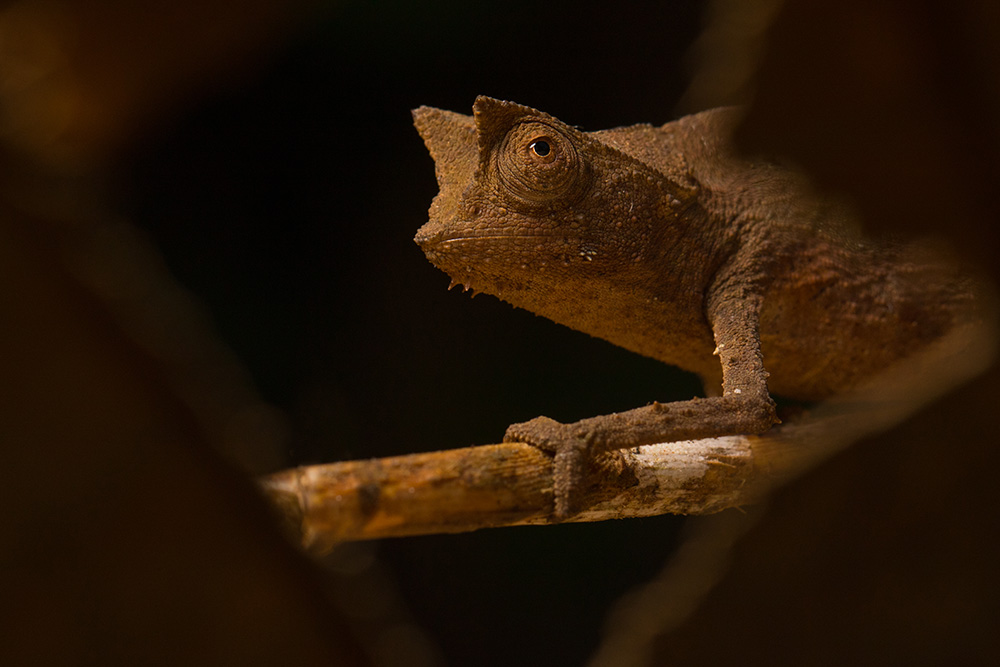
(569, 466)
(568, 472)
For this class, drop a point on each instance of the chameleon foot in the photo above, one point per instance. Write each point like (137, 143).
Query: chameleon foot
(570, 469)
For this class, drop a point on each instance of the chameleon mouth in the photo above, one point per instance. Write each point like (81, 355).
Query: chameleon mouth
(474, 254)
(474, 247)
(512, 237)
(489, 262)
(432, 234)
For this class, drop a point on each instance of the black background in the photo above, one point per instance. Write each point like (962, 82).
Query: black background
(287, 201)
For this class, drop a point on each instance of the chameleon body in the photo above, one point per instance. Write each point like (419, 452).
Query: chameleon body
(664, 241)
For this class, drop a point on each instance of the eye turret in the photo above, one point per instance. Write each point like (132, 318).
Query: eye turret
(539, 164)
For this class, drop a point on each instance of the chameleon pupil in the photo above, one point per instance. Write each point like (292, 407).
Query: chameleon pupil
(540, 148)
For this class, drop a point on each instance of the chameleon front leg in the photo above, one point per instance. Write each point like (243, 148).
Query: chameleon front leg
(744, 407)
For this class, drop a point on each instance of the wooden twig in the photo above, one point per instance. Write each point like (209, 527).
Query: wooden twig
(511, 484)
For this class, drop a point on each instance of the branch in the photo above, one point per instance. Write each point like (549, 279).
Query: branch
(467, 489)
(511, 484)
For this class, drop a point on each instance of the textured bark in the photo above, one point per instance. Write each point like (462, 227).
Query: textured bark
(504, 485)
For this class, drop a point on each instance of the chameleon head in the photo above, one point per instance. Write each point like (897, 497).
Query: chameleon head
(537, 212)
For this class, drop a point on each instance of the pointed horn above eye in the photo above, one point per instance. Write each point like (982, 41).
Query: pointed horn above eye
(445, 133)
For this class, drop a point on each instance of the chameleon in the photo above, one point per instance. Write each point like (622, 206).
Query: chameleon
(666, 241)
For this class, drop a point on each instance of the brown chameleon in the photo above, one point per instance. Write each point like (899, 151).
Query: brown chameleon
(664, 241)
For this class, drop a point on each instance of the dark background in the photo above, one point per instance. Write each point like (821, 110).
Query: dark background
(287, 201)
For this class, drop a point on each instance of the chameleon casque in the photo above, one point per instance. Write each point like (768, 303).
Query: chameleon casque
(664, 241)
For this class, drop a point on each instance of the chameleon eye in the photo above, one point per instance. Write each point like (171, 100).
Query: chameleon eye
(538, 163)
(540, 147)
